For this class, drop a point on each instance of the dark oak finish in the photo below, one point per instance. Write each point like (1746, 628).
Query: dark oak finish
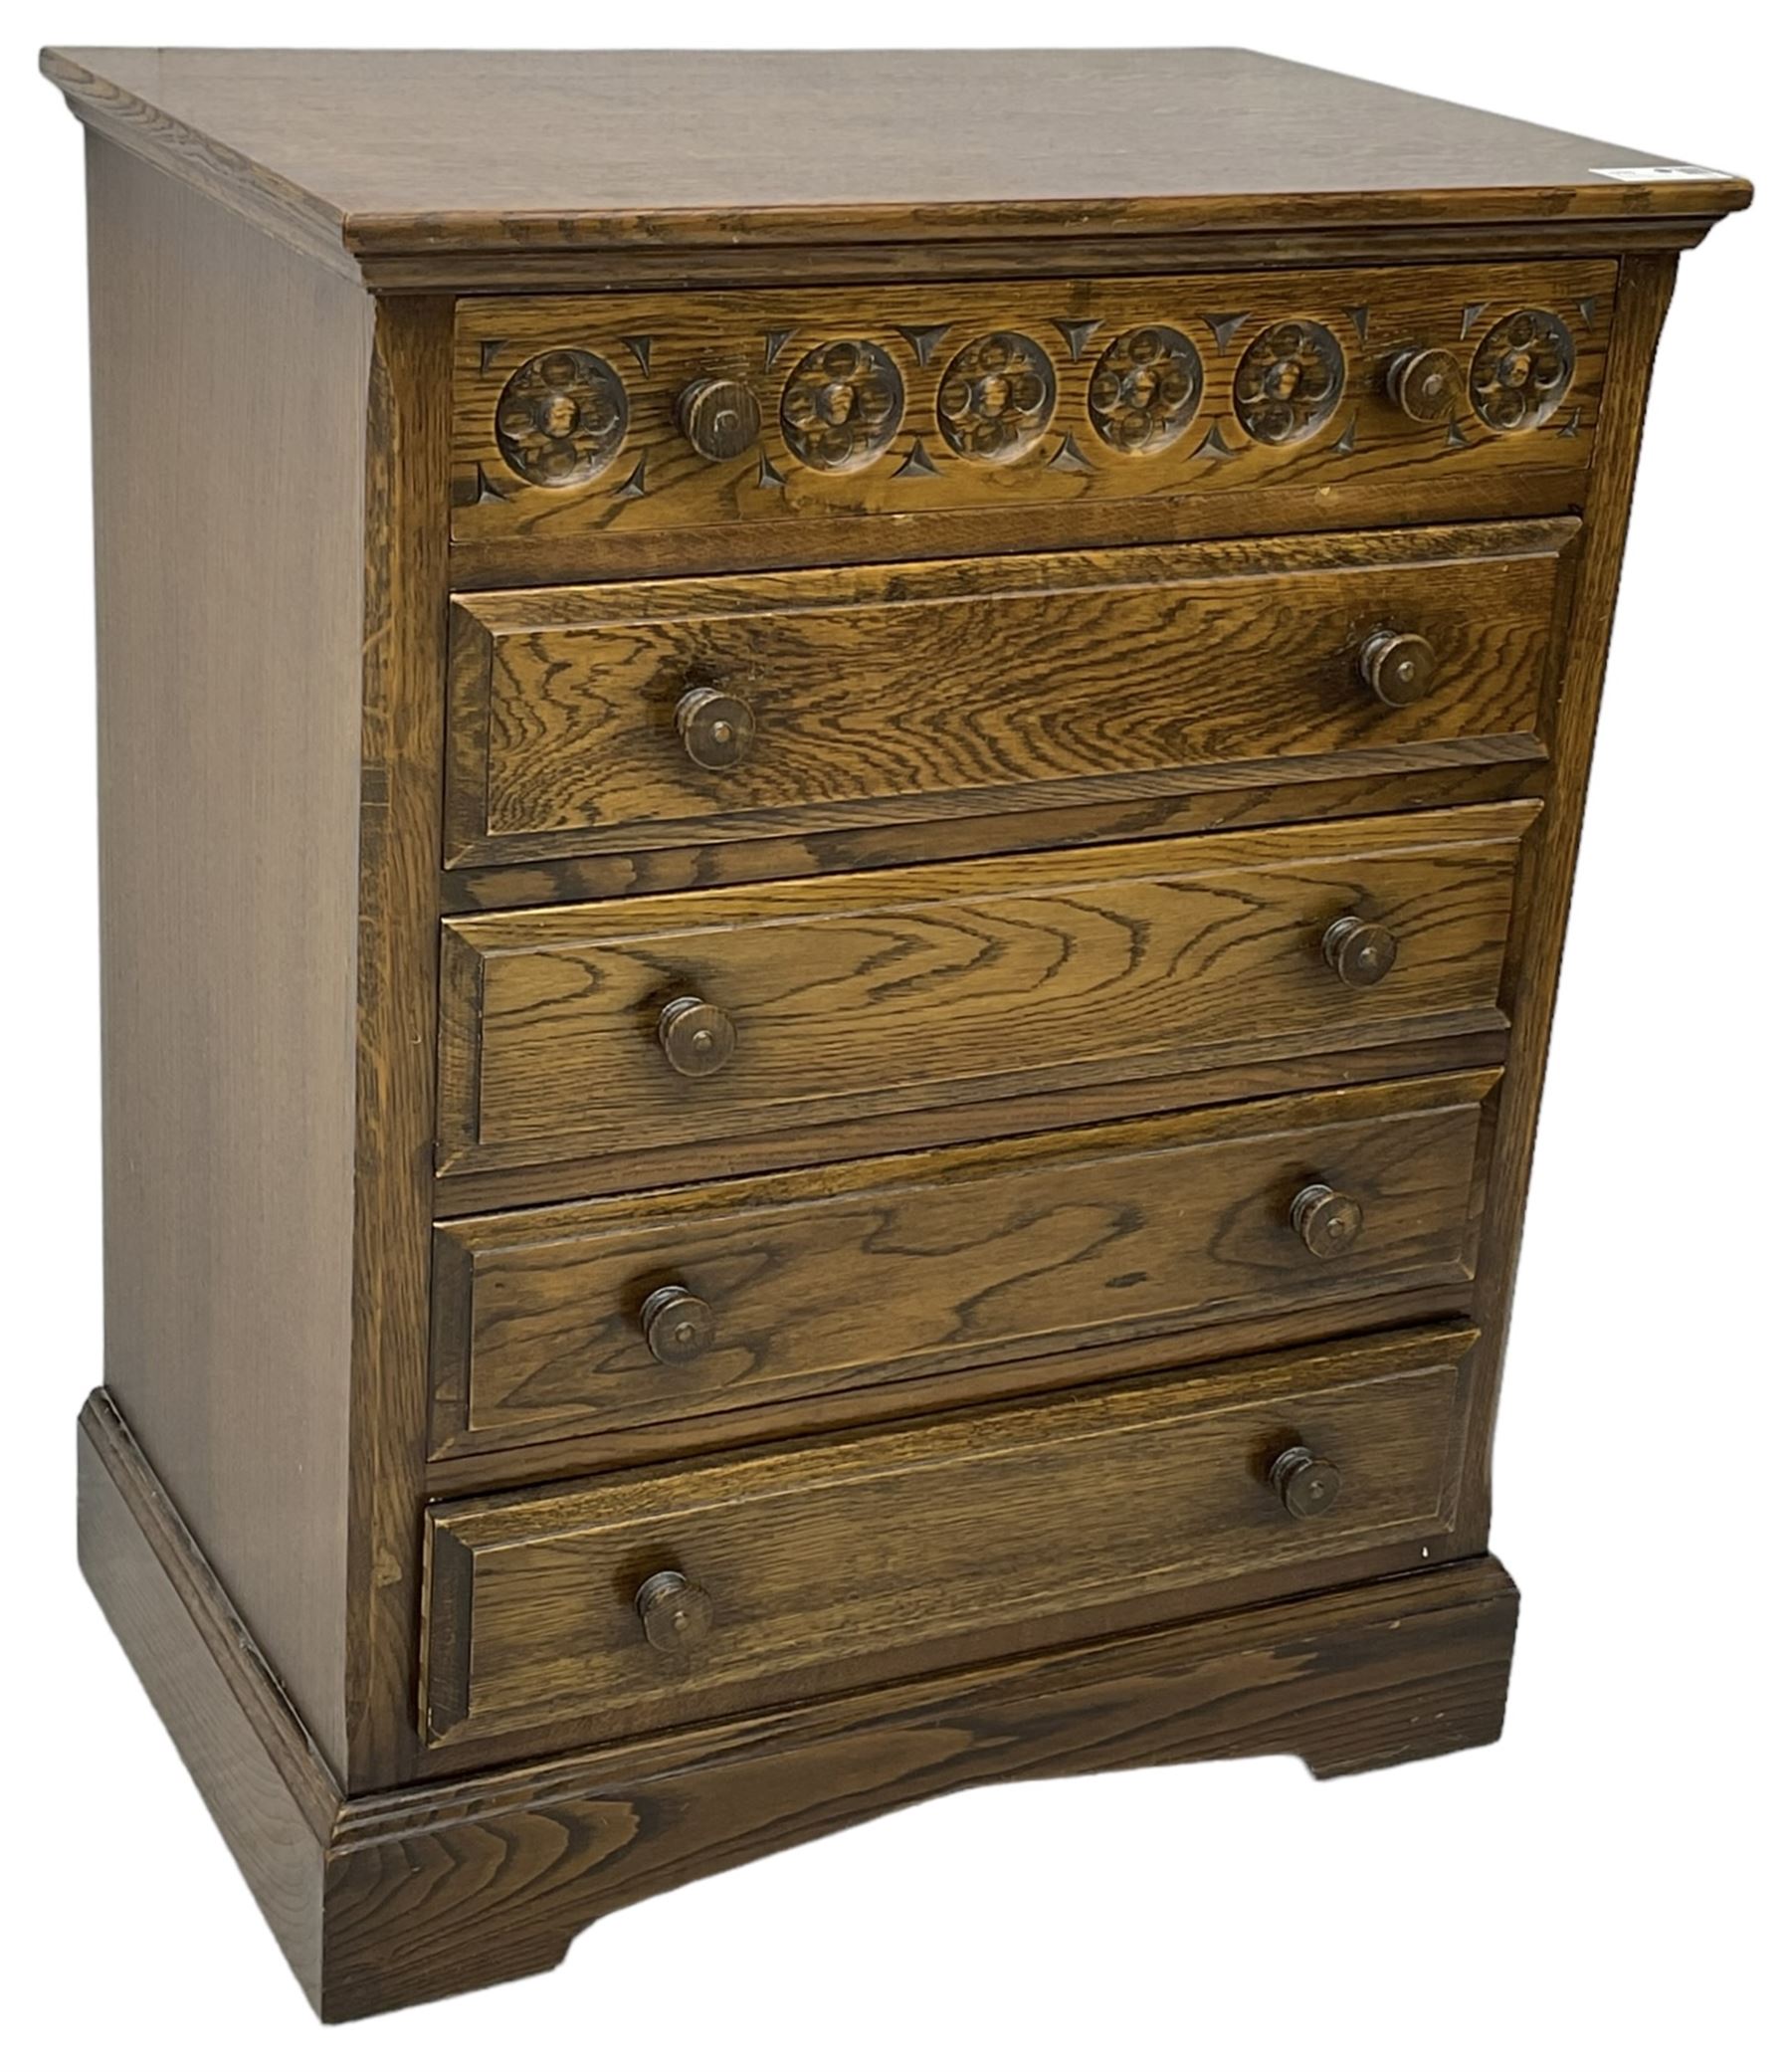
(831, 1565)
(441, 156)
(1536, 484)
(929, 690)
(400, 834)
(922, 990)
(229, 746)
(833, 883)
(918, 378)
(801, 1284)
(1208, 800)
(430, 1890)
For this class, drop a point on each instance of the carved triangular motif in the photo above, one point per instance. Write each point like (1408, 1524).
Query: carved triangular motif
(1471, 316)
(775, 341)
(1457, 437)
(925, 339)
(1570, 427)
(1222, 328)
(1214, 448)
(488, 349)
(1360, 317)
(642, 348)
(487, 493)
(1069, 457)
(769, 476)
(636, 485)
(1345, 441)
(1588, 309)
(916, 463)
(1075, 333)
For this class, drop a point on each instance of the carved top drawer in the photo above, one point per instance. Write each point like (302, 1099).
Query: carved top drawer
(649, 715)
(634, 414)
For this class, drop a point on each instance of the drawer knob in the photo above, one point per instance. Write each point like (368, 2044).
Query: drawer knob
(1399, 668)
(1328, 1223)
(720, 417)
(1361, 952)
(674, 1612)
(677, 1325)
(1305, 1484)
(716, 726)
(1427, 386)
(697, 1039)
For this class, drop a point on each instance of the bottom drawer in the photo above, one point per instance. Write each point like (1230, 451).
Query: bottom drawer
(639, 1600)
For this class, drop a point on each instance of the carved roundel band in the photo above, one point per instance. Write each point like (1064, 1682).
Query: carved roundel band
(562, 418)
(996, 397)
(842, 405)
(1145, 389)
(1522, 371)
(1288, 381)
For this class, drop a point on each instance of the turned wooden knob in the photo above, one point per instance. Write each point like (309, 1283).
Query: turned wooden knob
(1398, 668)
(1328, 1222)
(1361, 952)
(720, 417)
(673, 1612)
(1305, 1484)
(677, 1325)
(716, 726)
(1427, 386)
(697, 1039)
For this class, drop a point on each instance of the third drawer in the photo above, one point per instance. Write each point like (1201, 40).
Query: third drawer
(639, 1310)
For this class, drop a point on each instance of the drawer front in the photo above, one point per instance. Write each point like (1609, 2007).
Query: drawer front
(560, 1321)
(622, 414)
(905, 991)
(808, 1570)
(655, 715)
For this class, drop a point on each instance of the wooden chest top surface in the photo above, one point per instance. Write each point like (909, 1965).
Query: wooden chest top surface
(481, 150)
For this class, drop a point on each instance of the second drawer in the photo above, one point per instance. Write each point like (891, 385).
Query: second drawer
(607, 1316)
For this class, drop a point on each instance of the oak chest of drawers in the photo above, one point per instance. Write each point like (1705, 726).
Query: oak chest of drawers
(832, 884)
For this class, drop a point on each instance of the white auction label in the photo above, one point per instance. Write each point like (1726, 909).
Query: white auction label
(1658, 173)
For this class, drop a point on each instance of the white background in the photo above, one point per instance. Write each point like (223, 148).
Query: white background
(1606, 1888)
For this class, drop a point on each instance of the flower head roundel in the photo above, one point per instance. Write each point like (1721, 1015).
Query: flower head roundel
(1288, 381)
(996, 397)
(842, 405)
(561, 418)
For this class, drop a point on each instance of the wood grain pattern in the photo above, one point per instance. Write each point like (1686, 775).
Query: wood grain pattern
(836, 1564)
(496, 1879)
(1360, 1056)
(437, 155)
(432, 1889)
(654, 482)
(1537, 489)
(1207, 803)
(230, 680)
(921, 989)
(262, 1779)
(1062, 256)
(395, 1007)
(936, 1261)
(935, 690)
